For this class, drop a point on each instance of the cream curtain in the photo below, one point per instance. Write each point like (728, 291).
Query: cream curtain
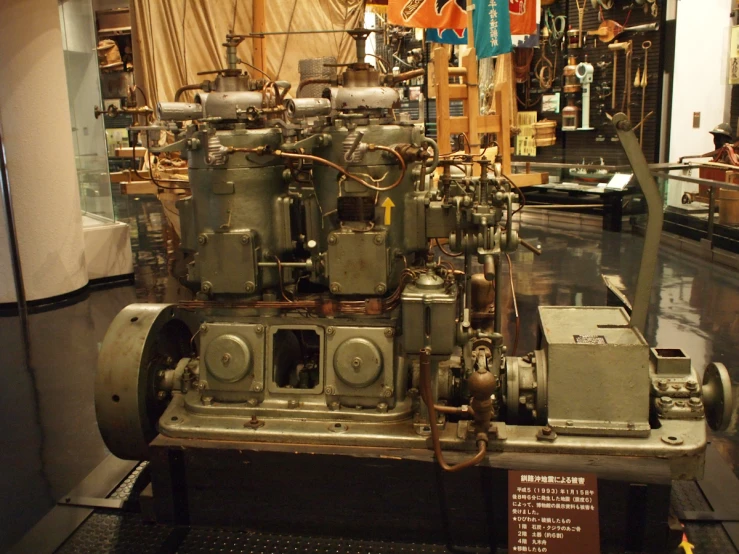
(176, 39)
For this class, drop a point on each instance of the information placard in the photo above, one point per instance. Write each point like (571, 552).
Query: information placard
(552, 513)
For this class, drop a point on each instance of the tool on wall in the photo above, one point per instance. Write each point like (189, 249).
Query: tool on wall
(646, 45)
(627, 49)
(580, 16)
(609, 30)
(584, 73)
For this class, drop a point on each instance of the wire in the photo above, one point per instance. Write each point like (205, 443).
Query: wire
(184, 184)
(515, 305)
(520, 194)
(447, 252)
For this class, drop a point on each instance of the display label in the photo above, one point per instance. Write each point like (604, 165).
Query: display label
(552, 513)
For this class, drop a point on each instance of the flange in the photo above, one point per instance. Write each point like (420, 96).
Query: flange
(142, 340)
(717, 397)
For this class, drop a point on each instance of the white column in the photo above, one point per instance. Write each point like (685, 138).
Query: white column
(34, 111)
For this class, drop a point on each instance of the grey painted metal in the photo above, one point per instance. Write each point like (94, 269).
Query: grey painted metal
(142, 340)
(654, 225)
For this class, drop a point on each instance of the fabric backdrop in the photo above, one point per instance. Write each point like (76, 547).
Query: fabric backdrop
(178, 38)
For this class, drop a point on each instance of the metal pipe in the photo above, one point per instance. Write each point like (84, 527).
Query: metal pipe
(711, 213)
(654, 224)
(315, 81)
(498, 325)
(185, 88)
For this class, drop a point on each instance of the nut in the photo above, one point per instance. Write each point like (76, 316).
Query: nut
(380, 288)
(226, 358)
(382, 407)
(546, 430)
(329, 390)
(379, 239)
(662, 384)
(257, 387)
(389, 332)
(330, 330)
(292, 403)
(333, 239)
(666, 400)
(259, 329)
(357, 362)
(334, 405)
(245, 239)
(207, 400)
(335, 288)
(203, 327)
(387, 392)
(252, 402)
(202, 239)
(161, 395)
(691, 384)
(249, 286)
(206, 286)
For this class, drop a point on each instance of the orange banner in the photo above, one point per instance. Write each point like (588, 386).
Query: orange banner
(428, 14)
(523, 16)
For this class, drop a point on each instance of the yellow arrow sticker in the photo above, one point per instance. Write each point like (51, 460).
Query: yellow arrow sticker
(686, 546)
(388, 205)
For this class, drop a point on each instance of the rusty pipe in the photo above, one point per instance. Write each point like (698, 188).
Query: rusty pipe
(407, 75)
(425, 386)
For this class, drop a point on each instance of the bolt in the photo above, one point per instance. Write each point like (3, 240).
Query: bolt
(226, 358)
(249, 286)
(357, 362)
(387, 392)
(334, 406)
(389, 332)
(333, 239)
(202, 239)
(335, 288)
(257, 387)
(252, 402)
(662, 384)
(630, 425)
(292, 404)
(245, 239)
(546, 430)
(624, 125)
(382, 407)
(203, 327)
(161, 395)
(695, 401)
(569, 423)
(691, 384)
(207, 400)
(379, 239)
(259, 329)
(680, 403)
(330, 330)
(206, 286)
(522, 400)
(677, 386)
(329, 390)
(666, 401)
(381, 288)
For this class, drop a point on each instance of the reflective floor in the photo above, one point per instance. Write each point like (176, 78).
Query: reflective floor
(50, 439)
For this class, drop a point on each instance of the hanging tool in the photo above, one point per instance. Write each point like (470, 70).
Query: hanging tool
(609, 29)
(627, 48)
(646, 45)
(557, 27)
(580, 16)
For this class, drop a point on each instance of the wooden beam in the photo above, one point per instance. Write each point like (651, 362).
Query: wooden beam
(522, 180)
(443, 131)
(146, 187)
(258, 44)
(457, 92)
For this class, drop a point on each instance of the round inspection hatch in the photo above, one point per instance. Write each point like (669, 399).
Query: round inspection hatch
(228, 358)
(358, 362)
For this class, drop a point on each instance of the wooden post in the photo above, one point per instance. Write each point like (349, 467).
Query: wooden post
(258, 43)
(443, 129)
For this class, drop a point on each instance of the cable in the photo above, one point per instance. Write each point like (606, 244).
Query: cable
(515, 305)
(447, 252)
(522, 204)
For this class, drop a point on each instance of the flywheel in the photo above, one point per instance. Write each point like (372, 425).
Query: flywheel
(142, 341)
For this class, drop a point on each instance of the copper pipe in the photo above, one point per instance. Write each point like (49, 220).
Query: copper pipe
(407, 75)
(314, 81)
(425, 386)
(183, 89)
(454, 410)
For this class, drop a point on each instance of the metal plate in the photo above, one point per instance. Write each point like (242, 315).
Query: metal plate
(357, 362)
(142, 340)
(228, 358)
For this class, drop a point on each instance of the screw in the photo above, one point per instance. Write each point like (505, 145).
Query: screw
(379, 239)
(334, 405)
(569, 423)
(226, 358)
(387, 392)
(381, 288)
(252, 402)
(546, 430)
(389, 332)
(330, 330)
(259, 329)
(202, 239)
(202, 385)
(691, 384)
(245, 239)
(257, 387)
(206, 286)
(662, 384)
(357, 362)
(382, 407)
(203, 327)
(335, 288)
(207, 400)
(292, 404)
(329, 390)
(249, 286)
(666, 401)
(333, 239)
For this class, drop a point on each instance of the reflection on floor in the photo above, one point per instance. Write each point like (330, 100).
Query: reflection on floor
(50, 439)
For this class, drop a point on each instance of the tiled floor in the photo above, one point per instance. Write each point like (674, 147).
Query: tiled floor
(50, 439)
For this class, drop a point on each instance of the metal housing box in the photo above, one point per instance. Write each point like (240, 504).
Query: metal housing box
(357, 262)
(244, 369)
(429, 319)
(598, 369)
(227, 263)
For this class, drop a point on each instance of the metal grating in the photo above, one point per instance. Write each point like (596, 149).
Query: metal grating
(709, 538)
(129, 487)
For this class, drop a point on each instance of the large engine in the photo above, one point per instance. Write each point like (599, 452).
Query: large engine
(321, 315)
